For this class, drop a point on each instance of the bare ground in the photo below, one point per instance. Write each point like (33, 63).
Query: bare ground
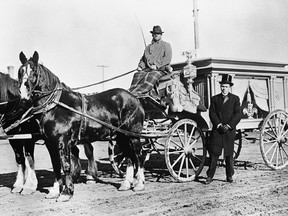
(257, 189)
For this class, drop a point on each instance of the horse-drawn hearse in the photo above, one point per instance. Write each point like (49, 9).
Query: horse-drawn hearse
(262, 89)
(178, 125)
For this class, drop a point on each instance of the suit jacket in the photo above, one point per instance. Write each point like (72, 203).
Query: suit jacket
(227, 113)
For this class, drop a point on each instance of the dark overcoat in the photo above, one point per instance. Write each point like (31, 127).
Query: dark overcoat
(227, 113)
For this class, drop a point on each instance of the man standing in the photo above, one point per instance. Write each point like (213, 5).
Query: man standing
(225, 114)
(154, 63)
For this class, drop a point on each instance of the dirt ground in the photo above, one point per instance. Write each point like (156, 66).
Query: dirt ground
(257, 189)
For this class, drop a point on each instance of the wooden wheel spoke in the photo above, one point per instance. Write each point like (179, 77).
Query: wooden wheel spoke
(273, 154)
(175, 152)
(175, 143)
(176, 161)
(121, 162)
(272, 129)
(284, 123)
(284, 151)
(285, 132)
(187, 167)
(179, 135)
(281, 156)
(196, 157)
(192, 164)
(269, 134)
(181, 165)
(270, 141)
(277, 155)
(275, 143)
(191, 134)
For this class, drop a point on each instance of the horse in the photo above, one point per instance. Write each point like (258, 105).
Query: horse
(12, 107)
(68, 118)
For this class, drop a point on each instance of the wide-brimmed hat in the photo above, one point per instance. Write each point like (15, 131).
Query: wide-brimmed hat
(226, 79)
(157, 29)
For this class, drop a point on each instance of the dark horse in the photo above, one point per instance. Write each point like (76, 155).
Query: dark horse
(67, 118)
(12, 108)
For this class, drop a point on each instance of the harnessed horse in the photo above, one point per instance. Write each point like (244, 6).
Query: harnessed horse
(12, 107)
(67, 118)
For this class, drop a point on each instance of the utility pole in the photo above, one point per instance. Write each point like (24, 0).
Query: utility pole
(103, 67)
(196, 32)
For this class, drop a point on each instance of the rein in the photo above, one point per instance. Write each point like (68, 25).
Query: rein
(107, 80)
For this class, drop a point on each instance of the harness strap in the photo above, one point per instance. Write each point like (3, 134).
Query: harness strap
(48, 104)
(128, 133)
(20, 121)
(83, 117)
(3, 103)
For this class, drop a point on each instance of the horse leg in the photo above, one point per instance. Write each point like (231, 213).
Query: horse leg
(31, 181)
(54, 192)
(92, 169)
(125, 147)
(17, 146)
(75, 163)
(140, 178)
(65, 145)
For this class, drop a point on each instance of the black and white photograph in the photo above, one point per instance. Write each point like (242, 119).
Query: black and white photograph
(145, 108)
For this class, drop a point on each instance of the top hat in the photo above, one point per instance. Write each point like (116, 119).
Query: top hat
(227, 79)
(157, 30)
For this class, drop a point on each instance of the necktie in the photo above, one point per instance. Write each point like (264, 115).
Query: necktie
(225, 98)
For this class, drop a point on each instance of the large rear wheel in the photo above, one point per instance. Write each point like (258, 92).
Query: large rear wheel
(273, 139)
(185, 150)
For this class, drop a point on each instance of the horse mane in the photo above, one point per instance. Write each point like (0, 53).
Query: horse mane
(50, 78)
(9, 88)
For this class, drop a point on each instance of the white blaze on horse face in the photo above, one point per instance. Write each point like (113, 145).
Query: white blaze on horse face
(23, 88)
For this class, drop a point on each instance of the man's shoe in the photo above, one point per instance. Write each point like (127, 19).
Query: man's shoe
(208, 180)
(230, 179)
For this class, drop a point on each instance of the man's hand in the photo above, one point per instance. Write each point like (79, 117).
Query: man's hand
(220, 129)
(225, 128)
(139, 69)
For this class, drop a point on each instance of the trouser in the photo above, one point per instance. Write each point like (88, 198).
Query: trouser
(213, 164)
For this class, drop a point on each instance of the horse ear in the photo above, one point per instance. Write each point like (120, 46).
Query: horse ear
(35, 57)
(22, 58)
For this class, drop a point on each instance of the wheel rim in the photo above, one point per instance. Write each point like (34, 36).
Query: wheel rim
(185, 150)
(273, 139)
(237, 145)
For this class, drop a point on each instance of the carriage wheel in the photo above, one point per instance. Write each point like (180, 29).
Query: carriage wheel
(273, 139)
(117, 159)
(237, 144)
(185, 150)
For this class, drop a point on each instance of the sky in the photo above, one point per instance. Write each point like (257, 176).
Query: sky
(75, 37)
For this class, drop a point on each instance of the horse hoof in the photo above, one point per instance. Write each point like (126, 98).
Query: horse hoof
(91, 182)
(64, 198)
(16, 190)
(52, 195)
(90, 179)
(27, 191)
(139, 187)
(124, 186)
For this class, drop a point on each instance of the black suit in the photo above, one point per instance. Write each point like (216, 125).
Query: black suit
(223, 113)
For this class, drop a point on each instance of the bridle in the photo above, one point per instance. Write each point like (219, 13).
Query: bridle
(31, 85)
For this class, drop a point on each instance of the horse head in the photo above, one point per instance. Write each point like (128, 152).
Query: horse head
(35, 79)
